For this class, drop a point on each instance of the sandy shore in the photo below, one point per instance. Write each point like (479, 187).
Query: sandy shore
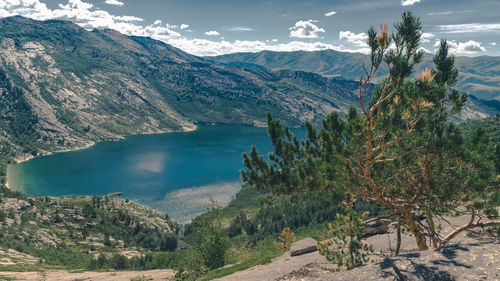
(25, 158)
(189, 128)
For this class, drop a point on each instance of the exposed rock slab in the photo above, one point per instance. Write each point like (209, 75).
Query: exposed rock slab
(461, 261)
(471, 256)
(304, 246)
(278, 268)
(376, 226)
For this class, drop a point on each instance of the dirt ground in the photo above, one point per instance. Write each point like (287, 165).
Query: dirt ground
(62, 275)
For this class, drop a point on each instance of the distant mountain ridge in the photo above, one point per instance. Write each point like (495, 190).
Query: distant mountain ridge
(479, 76)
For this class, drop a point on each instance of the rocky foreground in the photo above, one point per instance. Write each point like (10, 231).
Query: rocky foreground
(471, 256)
(462, 261)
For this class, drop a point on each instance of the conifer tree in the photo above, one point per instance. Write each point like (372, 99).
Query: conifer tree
(397, 148)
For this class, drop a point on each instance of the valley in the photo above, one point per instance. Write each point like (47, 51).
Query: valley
(80, 87)
(176, 173)
(121, 152)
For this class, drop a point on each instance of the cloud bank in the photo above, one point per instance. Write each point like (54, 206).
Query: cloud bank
(356, 39)
(464, 48)
(88, 16)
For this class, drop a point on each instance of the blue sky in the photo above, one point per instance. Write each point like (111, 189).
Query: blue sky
(217, 27)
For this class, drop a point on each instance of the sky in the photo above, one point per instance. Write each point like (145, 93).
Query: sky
(208, 28)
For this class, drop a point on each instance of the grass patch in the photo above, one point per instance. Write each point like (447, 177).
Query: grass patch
(263, 253)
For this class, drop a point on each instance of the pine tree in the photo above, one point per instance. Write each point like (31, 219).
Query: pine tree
(397, 148)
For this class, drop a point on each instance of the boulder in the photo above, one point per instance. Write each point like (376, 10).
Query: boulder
(375, 226)
(304, 246)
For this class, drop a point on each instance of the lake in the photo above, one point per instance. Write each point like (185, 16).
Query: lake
(176, 173)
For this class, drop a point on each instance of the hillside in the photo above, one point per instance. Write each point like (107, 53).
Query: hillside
(490, 124)
(77, 87)
(479, 76)
(90, 232)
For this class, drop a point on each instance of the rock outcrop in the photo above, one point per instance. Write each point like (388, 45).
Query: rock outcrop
(470, 256)
(375, 226)
(304, 246)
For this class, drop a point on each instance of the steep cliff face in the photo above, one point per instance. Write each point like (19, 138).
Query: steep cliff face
(87, 86)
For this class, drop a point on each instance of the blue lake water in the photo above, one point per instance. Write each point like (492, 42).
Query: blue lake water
(174, 172)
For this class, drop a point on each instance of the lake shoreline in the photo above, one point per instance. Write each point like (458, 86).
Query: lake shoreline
(23, 158)
(171, 173)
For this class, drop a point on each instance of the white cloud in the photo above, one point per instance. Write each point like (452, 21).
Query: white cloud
(157, 22)
(76, 4)
(358, 40)
(85, 15)
(425, 50)
(426, 37)
(493, 43)
(305, 29)
(440, 13)
(240, 28)
(34, 8)
(114, 2)
(212, 33)
(469, 27)
(463, 48)
(127, 18)
(329, 14)
(409, 2)
(184, 26)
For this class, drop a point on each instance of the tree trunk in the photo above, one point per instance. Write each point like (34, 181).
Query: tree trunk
(398, 238)
(416, 230)
(432, 227)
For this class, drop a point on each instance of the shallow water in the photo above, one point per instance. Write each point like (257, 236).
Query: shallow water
(174, 172)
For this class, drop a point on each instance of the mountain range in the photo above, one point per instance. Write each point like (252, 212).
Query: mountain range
(77, 87)
(478, 76)
(64, 86)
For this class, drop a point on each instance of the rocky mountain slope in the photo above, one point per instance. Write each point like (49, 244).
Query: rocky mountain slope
(39, 232)
(78, 87)
(479, 76)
